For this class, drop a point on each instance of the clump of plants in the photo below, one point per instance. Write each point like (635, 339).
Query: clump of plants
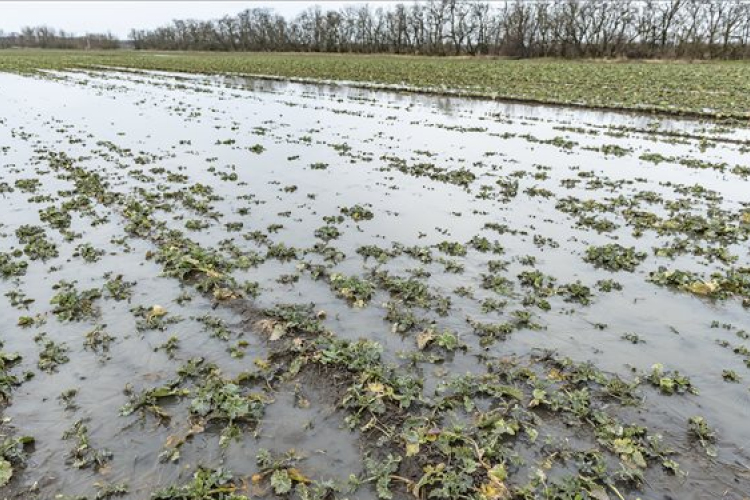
(452, 248)
(10, 265)
(88, 252)
(281, 470)
(13, 455)
(218, 399)
(118, 288)
(700, 431)
(670, 382)
(721, 285)
(7, 380)
(356, 291)
(52, 354)
(36, 244)
(72, 304)
(83, 455)
(208, 270)
(615, 257)
(358, 212)
(291, 319)
(327, 233)
(155, 317)
(206, 484)
(98, 340)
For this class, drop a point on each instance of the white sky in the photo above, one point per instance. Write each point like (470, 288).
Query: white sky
(118, 16)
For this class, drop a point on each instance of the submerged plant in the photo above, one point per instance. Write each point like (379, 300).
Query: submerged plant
(72, 304)
(206, 484)
(699, 430)
(356, 291)
(615, 257)
(670, 382)
(52, 353)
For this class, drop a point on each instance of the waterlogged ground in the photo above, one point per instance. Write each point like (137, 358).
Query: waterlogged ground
(215, 288)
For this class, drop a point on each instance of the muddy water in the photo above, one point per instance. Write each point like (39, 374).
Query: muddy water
(122, 125)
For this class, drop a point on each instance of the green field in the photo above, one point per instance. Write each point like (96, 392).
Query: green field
(716, 89)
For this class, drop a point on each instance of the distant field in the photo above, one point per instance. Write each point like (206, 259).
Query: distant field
(715, 89)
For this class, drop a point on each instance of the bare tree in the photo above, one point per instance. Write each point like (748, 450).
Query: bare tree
(518, 28)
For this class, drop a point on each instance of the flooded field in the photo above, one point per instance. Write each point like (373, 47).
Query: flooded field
(219, 287)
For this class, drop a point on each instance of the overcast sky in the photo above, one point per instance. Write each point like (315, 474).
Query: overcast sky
(118, 16)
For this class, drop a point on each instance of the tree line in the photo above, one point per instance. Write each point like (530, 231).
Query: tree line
(699, 29)
(517, 28)
(44, 37)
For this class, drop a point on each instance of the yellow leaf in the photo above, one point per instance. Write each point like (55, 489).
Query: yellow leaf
(376, 387)
(157, 311)
(265, 325)
(173, 441)
(412, 449)
(424, 338)
(296, 475)
(703, 287)
(196, 429)
(497, 473)
(488, 491)
(493, 491)
(224, 294)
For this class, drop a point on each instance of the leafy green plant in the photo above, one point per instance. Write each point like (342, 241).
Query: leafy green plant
(118, 288)
(699, 429)
(72, 304)
(356, 291)
(207, 484)
(281, 470)
(12, 453)
(10, 266)
(52, 353)
(83, 455)
(670, 382)
(358, 213)
(615, 257)
(88, 253)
